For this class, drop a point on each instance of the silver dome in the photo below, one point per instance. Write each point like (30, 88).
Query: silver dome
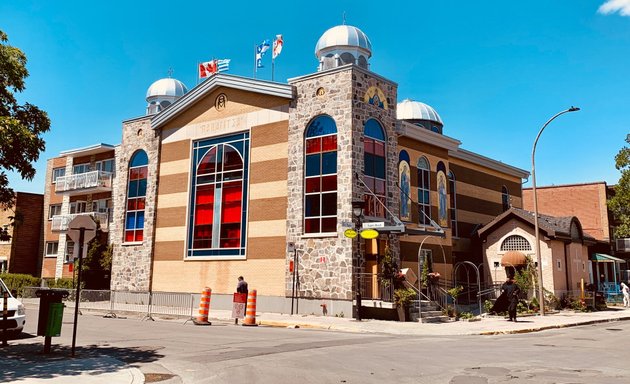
(343, 36)
(415, 110)
(167, 87)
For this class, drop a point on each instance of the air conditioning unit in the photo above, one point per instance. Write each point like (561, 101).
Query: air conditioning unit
(623, 245)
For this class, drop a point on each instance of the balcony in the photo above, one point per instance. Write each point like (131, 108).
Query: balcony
(82, 183)
(623, 245)
(60, 222)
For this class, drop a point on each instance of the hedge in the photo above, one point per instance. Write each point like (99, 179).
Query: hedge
(16, 281)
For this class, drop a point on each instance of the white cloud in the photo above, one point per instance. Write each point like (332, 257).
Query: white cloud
(612, 6)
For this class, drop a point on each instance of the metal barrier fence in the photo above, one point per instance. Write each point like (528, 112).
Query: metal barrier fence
(113, 302)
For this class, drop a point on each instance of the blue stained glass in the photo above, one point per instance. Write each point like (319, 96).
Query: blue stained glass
(312, 206)
(133, 189)
(379, 167)
(131, 220)
(329, 163)
(140, 220)
(374, 130)
(369, 164)
(320, 126)
(403, 156)
(142, 187)
(138, 159)
(312, 165)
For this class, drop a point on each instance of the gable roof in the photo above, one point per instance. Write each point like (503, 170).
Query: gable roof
(221, 80)
(551, 226)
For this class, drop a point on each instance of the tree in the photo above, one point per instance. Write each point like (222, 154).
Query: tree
(21, 126)
(619, 204)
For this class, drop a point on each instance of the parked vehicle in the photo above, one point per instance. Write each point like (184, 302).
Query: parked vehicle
(16, 313)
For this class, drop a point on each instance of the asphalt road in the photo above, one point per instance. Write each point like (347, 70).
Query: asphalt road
(224, 353)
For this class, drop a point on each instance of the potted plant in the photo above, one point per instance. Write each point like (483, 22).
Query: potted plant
(403, 297)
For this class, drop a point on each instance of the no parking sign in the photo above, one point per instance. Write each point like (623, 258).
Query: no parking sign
(239, 303)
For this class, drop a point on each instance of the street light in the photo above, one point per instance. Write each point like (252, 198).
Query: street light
(541, 297)
(357, 211)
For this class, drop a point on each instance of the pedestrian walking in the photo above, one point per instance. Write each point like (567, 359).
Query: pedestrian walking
(241, 286)
(626, 294)
(512, 293)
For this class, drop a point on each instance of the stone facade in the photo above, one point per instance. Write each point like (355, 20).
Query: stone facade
(325, 263)
(131, 263)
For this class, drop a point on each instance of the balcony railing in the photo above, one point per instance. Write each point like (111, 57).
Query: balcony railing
(60, 222)
(100, 180)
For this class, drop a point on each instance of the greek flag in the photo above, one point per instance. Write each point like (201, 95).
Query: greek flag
(260, 52)
(223, 65)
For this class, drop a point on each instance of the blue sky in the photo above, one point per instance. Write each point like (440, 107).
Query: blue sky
(494, 70)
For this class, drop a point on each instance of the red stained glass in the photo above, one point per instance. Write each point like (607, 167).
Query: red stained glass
(142, 172)
(140, 203)
(129, 236)
(311, 226)
(368, 145)
(131, 204)
(133, 174)
(312, 184)
(313, 145)
(207, 164)
(379, 148)
(232, 159)
(205, 194)
(231, 203)
(138, 235)
(329, 183)
(329, 143)
(379, 187)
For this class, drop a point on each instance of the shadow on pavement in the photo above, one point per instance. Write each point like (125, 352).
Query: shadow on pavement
(24, 361)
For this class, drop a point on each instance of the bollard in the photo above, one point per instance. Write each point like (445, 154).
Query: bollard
(250, 312)
(204, 308)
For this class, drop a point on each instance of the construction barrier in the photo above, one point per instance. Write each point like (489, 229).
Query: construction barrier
(250, 312)
(204, 308)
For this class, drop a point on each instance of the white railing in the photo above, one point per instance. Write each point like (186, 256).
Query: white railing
(60, 222)
(93, 179)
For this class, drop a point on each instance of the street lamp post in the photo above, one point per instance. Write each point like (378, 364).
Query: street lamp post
(541, 297)
(357, 211)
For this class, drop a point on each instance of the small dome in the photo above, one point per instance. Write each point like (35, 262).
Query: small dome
(513, 259)
(415, 110)
(341, 45)
(343, 36)
(167, 87)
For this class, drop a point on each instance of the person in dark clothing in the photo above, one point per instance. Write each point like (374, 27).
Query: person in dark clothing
(512, 293)
(241, 287)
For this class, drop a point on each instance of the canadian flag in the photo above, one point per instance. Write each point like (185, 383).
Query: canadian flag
(207, 69)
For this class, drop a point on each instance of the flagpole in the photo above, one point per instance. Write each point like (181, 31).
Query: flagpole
(254, 61)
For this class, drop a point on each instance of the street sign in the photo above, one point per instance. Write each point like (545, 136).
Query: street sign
(347, 224)
(369, 233)
(375, 224)
(351, 233)
(239, 302)
(82, 221)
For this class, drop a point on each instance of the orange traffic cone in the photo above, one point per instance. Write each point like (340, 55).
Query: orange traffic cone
(250, 311)
(204, 308)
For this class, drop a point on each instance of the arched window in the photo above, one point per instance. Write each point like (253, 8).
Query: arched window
(374, 162)
(404, 183)
(505, 198)
(424, 191)
(136, 197)
(320, 180)
(453, 200)
(515, 243)
(219, 194)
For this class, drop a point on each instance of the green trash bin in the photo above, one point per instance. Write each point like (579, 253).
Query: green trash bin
(55, 319)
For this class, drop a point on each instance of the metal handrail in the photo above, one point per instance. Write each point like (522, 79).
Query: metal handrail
(61, 222)
(90, 179)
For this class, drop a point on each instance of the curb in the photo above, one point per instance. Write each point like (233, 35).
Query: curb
(556, 326)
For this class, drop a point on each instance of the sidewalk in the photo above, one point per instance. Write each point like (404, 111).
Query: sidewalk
(109, 370)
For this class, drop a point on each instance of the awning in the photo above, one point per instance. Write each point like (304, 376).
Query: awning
(604, 258)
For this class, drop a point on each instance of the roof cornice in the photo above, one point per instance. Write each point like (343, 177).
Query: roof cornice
(472, 157)
(426, 136)
(90, 150)
(341, 68)
(221, 80)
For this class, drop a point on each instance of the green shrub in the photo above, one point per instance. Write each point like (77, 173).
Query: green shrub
(66, 283)
(487, 305)
(466, 315)
(16, 281)
(404, 296)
